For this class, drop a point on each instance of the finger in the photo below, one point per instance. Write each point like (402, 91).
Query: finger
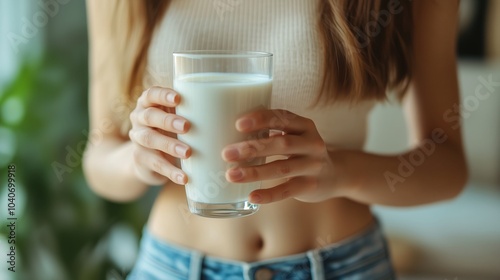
(288, 144)
(152, 139)
(155, 117)
(292, 167)
(153, 167)
(292, 188)
(149, 176)
(274, 119)
(155, 96)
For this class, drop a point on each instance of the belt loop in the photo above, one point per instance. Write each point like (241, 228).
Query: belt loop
(246, 271)
(195, 265)
(316, 265)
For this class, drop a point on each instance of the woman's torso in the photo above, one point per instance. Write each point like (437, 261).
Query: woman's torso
(289, 30)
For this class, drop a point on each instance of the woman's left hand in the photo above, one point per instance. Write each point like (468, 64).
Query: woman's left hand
(307, 168)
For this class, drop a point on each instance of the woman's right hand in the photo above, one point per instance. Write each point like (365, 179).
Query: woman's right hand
(154, 126)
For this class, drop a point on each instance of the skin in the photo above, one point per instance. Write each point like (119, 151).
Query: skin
(318, 194)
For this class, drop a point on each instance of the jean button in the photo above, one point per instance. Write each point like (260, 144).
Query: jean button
(263, 274)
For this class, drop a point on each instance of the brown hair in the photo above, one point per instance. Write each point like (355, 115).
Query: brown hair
(134, 24)
(367, 46)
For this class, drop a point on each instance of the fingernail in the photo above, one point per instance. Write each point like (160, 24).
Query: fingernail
(178, 124)
(171, 97)
(179, 178)
(180, 150)
(244, 124)
(231, 154)
(235, 174)
(256, 198)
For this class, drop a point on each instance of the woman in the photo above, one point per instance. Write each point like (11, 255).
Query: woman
(333, 61)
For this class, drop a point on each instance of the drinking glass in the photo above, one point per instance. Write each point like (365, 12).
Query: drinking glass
(216, 88)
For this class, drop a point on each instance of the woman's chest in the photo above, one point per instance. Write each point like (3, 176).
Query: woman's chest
(286, 28)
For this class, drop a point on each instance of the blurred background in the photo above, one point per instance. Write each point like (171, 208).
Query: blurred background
(64, 231)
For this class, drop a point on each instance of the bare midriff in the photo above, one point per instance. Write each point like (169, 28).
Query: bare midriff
(276, 230)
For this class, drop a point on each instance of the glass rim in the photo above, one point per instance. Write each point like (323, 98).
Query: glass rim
(221, 54)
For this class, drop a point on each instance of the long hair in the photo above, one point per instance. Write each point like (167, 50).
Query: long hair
(367, 46)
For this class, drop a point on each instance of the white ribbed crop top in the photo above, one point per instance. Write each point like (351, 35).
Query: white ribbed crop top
(286, 28)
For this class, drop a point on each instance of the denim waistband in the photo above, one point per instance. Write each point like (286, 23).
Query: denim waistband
(357, 254)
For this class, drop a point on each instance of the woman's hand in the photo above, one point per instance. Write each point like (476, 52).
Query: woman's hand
(307, 168)
(154, 126)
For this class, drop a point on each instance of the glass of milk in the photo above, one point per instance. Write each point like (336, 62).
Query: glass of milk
(217, 87)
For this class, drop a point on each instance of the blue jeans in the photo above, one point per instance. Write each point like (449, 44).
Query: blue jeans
(363, 256)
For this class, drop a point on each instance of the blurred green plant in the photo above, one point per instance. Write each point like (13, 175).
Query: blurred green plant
(63, 229)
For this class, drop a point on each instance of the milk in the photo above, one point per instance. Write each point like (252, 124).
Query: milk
(212, 102)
